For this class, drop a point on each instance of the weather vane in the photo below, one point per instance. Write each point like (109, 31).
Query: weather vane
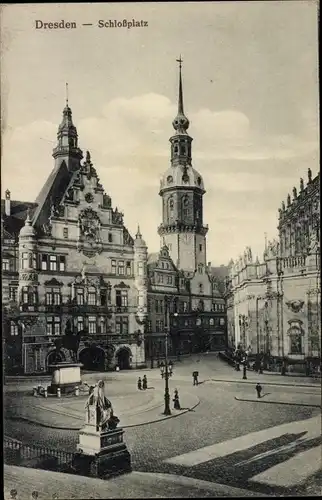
(180, 61)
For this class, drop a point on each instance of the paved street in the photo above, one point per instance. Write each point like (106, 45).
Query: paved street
(267, 448)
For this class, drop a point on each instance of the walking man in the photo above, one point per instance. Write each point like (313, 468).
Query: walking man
(195, 376)
(258, 389)
(145, 383)
(140, 384)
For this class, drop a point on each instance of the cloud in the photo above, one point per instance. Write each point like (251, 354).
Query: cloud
(246, 173)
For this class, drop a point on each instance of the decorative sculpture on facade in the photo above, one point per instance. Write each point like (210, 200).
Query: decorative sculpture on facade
(309, 175)
(301, 184)
(314, 243)
(127, 238)
(89, 224)
(272, 249)
(117, 217)
(294, 193)
(295, 305)
(288, 200)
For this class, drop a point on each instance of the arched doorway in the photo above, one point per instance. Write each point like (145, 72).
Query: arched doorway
(53, 358)
(123, 358)
(92, 358)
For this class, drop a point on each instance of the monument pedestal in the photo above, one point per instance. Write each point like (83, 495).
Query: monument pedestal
(66, 376)
(101, 453)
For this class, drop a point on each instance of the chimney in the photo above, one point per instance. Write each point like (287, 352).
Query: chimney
(7, 203)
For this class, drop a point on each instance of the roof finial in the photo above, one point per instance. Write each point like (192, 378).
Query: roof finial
(180, 100)
(138, 234)
(66, 94)
(28, 218)
(265, 241)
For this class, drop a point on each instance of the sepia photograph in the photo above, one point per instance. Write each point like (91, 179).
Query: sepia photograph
(160, 249)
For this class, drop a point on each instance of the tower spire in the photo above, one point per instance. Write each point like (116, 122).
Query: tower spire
(66, 94)
(181, 122)
(180, 100)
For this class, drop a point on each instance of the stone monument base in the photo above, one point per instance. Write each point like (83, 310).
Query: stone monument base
(66, 376)
(102, 453)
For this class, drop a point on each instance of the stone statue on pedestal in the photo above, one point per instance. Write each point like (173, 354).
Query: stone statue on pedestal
(99, 410)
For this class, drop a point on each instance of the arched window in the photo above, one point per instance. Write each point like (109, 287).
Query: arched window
(201, 288)
(170, 209)
(200, 268)
(185, 207)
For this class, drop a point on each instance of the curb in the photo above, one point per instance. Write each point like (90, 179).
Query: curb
(278, 402)
(289, 384)
(47, 426)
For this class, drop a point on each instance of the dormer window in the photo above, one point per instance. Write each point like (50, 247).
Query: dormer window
(169, 179)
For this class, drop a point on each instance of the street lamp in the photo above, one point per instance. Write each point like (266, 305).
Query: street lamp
(167, 410)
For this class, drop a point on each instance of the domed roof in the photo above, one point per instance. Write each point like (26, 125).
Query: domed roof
(181, 176)
(27, 231)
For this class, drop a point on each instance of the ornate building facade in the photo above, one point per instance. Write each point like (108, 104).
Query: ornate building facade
(183, 288)
(273, 306)
(71, 267)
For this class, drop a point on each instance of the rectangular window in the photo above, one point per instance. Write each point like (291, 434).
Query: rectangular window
(149, 326)
(92, 324)
(53, 262)
(103, 296)
(200, 248)
(80, 323)
(53, 296)
(24, 295)
(44, 262)
(91, 297)
(121, 267)
(118, 298)
(124, 298)
(140, 268)
(125, 324)
(128, 268)
(62, 263)
(53, 326)
(14, 331)
(118, 325)
(25, 260)
(222, 321)
(160, 278)
(161, 306)
(156, 306)
(5, 264)
(113, 266)
(56, 325)
(157, 326)
(161, 326)
(80, 296)
(169, 280)
(13, 293)
(102, 324)
(65, 232)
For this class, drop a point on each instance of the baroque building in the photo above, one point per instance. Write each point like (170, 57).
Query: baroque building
(273, 306)
(71, 268)
(183, 289)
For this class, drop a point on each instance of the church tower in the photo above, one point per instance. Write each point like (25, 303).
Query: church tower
(67, 149)
(182, 190)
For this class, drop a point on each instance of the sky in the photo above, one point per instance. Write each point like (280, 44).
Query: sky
(250, 78)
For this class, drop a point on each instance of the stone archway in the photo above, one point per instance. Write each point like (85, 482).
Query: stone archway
(92, 358)
(53, 358)
(123, 356)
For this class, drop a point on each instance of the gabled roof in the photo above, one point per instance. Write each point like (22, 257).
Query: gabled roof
(162, 255)
(219, 274)
(52, 191)
(153, 257)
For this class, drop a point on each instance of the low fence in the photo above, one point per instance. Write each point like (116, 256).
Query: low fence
(17, 453)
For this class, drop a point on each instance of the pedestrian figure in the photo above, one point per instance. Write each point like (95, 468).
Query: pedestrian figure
(145, 382)
(140, 384)
(176, 402)
(195, 376)
(258, 389)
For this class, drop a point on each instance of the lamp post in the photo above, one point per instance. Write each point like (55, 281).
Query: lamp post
(167, 410)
